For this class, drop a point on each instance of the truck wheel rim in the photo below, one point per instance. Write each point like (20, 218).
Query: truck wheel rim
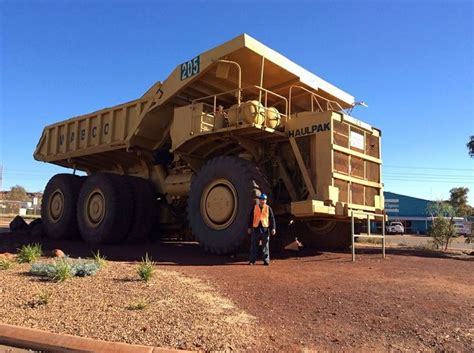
(219, 204)
(95, 208)
(56, 206)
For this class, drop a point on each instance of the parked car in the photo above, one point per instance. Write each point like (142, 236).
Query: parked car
(462, 228)
(395, 228)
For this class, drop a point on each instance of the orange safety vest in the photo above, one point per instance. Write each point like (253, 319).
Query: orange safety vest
(261, 215)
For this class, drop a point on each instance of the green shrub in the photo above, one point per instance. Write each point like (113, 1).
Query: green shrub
(442, 230)
(65, 268)
(41, 298)
(83, 268)
(5, 264)
(140, 305)
(62, 270)
(145, 269)
(29, 253)
(100, 260)
(43, 269)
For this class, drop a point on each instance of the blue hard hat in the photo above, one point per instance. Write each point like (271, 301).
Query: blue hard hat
(263, 196)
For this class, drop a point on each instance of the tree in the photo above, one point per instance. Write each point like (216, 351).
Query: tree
(458, 200)
(441, 208)
(470, 146)
(442, 230)
(17, 193)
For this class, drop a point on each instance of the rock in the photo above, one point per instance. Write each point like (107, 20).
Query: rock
(18, 224)
(36, 229)
(57, 253)
(294, 246)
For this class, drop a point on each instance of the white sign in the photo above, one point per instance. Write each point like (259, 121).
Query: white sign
(392, 205)
(357, 122)
(35, 201)
(357, 140)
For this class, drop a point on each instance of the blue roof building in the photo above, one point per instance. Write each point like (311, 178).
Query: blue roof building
(411, 211)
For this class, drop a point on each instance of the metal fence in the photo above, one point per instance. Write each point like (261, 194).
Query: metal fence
(10, 208)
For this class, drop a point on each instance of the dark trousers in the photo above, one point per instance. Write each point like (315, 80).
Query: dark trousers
(256, 236)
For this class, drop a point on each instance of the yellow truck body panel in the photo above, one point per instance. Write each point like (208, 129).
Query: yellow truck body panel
(83, 141)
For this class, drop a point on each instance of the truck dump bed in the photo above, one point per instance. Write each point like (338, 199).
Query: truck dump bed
(127, 134)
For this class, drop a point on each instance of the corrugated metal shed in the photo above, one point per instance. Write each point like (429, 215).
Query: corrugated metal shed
(411, 211)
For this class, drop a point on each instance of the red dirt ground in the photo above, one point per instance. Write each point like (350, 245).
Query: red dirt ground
(412, 301)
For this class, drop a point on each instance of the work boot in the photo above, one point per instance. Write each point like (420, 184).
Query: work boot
(266, 263)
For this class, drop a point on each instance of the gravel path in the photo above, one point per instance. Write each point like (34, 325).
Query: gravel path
(180, 312)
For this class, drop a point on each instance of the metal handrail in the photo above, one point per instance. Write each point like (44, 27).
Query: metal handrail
(261, 89)
(272, 93)
(239, 96)
(194, 101)
(314, 97)
(369, 235)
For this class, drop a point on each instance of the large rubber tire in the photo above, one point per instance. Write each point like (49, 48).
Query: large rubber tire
(334, 235)
(260, 183)
(105, 209)
(242, 179)
(145, 209)
(58, 208)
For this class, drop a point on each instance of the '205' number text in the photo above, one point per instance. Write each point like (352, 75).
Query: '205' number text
(190, 68)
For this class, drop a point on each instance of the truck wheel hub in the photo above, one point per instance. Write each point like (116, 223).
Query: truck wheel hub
(95, 208)
(56, 206)
(219, 204)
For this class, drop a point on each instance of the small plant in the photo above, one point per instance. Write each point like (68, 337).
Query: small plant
(65, 268)
(145, 269)
(62, 270)
(42, 269)
(29, 253)
(5, 264)
(100, 260)
(140, 305)
(442, 231)
(41, 298)
(83, 268)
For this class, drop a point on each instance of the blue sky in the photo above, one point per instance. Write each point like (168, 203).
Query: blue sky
(411, 61)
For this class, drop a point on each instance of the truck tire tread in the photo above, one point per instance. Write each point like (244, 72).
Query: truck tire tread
(66, 227)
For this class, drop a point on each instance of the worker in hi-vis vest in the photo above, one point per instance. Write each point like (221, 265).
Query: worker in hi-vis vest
(261, 225)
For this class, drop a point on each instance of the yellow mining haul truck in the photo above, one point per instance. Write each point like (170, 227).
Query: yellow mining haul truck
(198, 148)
